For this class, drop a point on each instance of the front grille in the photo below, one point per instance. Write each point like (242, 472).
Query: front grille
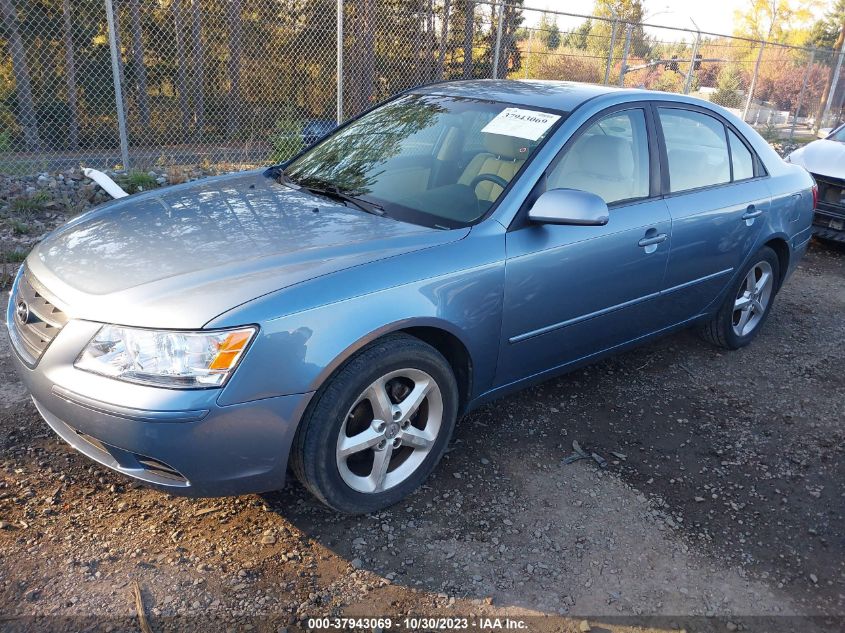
(38, 321)
(831, 195)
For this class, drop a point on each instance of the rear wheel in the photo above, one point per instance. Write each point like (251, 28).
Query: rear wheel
(378, 427)
(747, 306)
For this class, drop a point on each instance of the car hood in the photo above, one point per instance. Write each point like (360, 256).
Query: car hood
(178, 257)
(823, 157)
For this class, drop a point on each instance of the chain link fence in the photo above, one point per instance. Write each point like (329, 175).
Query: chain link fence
(236, 83)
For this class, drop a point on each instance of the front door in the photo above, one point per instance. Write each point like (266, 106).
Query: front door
(574, 291)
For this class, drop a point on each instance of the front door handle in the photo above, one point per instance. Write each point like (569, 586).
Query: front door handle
(751, 213)
(652, 241)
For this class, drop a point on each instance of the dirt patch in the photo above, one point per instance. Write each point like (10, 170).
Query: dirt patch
(724, 508)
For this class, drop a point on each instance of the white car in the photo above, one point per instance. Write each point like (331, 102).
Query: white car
(825, 160)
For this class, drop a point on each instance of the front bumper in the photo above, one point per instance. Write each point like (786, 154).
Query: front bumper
(829, 219)
(178, 440)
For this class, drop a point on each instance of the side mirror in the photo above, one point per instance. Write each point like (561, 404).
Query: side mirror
(569, 206)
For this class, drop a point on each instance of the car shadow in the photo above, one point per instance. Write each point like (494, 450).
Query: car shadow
(733, 455)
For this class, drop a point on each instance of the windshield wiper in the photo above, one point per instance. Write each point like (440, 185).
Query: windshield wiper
(333, 191)
(330, 191)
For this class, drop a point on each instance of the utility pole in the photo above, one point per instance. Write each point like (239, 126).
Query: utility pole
(688, 80)
(610, 50)
(625, 50)
(753, 81)
(832, 79)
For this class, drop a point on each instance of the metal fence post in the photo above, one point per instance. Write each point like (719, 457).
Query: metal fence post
(801, 94)
(624, 68)
(753, 81)
(339, 78)
(688, 80)
(832, 91)
(498, 49)
(118, 91)
(610, 52)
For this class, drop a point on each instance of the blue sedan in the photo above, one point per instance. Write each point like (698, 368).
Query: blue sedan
(339, 313)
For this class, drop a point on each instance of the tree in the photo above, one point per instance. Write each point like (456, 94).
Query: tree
(771, 20)
(235, 17)
(70, 76)
(510, 57)
(466, 10)
(729, 89)
(549, 32)
(580, 37)
(824, 31)
(139, 71)
(197, 68)
(623, 11)
(361, 75)
(838, 46)
(181, 66)
(26, 104)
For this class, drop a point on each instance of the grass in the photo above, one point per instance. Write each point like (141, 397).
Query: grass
(9, 259)
(27, 206)
(12, 256)
(20, 228)
(136, 181)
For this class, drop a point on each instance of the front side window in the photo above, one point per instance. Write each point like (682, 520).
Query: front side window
(428, 159)
(609, 159)
(696, 147)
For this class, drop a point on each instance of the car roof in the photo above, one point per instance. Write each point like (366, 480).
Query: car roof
(555, 95)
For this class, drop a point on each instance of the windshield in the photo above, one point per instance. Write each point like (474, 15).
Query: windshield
(427, 159)
(838, 135)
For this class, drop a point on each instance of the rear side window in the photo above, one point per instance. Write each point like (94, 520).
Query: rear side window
(743, 161)
(697, 149)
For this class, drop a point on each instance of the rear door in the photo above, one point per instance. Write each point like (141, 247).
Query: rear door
(717, 197)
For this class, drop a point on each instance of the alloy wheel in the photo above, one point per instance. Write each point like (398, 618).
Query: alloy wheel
(389, 430)
(753, 298)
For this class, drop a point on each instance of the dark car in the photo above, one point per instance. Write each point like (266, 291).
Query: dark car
(315, 129)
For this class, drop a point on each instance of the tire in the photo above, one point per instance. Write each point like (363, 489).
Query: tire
(744, 310)
(390, 458)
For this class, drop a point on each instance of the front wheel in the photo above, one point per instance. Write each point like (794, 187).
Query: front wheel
(378, 427)
(747, 306)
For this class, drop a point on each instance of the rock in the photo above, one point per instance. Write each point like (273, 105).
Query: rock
(730, 626)
(268, 539)
(357, 563)
(584, 626)
(814, 578)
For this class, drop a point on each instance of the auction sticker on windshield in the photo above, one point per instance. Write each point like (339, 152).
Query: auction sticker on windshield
(528, 124)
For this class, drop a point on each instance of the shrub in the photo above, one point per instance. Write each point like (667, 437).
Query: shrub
(286, 140)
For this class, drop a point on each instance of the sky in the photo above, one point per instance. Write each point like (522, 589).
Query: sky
(715, 16)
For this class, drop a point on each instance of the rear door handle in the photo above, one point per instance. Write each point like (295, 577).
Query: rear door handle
(652, 241)
(752, 212)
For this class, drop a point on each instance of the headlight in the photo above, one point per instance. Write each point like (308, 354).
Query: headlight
(186, 360)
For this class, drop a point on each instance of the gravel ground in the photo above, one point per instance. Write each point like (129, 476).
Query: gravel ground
(721, 509)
